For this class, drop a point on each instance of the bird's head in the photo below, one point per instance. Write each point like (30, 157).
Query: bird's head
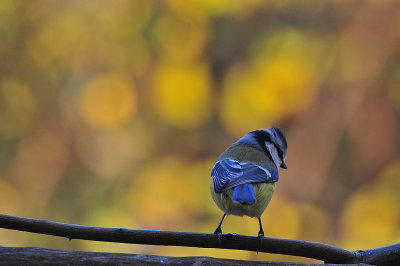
(271, 140)
(278, 139)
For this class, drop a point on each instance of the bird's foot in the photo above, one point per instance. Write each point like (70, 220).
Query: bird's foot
(218, 232)
(260, 238)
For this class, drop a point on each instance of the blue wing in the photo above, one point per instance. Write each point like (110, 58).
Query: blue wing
(223, 171)
(228, 173)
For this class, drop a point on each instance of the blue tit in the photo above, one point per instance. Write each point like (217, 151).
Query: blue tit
(244, 176)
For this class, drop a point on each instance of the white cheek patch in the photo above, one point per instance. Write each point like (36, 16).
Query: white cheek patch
(274, 153)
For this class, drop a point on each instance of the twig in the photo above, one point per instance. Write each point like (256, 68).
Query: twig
(326, 253)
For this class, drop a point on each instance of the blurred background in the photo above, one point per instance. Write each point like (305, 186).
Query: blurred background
(112, 113)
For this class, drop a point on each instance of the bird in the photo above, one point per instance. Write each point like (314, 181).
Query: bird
(244, 176)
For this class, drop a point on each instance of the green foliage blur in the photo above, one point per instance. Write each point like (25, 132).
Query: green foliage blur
(112, 113)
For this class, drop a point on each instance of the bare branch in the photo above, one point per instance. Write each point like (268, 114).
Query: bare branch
(21, 256)
(41, 256)
(327, 253)
(389, 255)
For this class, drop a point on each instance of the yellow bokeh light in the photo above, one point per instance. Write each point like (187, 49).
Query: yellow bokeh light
(89, 34)
(108, 101)
(180, 39)
(246, 103)
(369, 219)
(110, 153)
(10, 198)
(182, 94)
(277, 83)
(114, 218)
(281, 219)
(315, 223)
(164, 188)
(389, 181)
(206, 8)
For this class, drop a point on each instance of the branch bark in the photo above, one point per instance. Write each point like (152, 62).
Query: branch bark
(329, 254)
(41, 256)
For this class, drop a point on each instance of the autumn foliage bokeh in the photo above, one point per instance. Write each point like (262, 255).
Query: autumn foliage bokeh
(112, 113)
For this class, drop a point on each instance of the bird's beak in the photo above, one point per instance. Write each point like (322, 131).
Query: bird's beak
(283, 165)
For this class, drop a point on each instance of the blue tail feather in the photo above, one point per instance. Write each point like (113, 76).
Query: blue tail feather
(244, 194)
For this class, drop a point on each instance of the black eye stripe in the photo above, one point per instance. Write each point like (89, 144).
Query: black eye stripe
(262, 137)
(280, 152)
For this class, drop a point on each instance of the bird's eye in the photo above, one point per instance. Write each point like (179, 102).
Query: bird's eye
(280, 152)
(279, 149)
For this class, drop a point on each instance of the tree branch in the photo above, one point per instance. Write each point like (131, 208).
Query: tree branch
(26, 256)
(326, 253)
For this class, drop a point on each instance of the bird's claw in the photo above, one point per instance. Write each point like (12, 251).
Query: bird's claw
(218, 232)
(260, 238)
